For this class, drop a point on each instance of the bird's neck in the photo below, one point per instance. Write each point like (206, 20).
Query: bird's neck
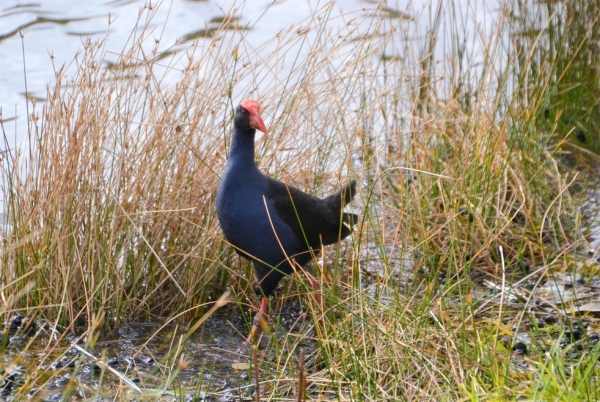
(242, 147)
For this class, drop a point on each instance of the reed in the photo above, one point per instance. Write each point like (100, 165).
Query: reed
(110, 203)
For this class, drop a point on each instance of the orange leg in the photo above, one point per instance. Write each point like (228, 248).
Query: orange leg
(258, 323)
(258, 320)
(317, 291)
(320, 303)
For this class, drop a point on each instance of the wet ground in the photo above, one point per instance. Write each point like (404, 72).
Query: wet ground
(557, 312)
(148, 360)
(547, 311)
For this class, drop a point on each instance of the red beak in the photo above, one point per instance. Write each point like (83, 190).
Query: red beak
(253, 107)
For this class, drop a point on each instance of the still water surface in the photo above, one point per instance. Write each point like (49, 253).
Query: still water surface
(38, 37)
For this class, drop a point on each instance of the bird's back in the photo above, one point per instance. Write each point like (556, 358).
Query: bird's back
(314, 221)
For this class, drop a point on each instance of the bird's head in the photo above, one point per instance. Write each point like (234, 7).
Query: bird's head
(247, 115)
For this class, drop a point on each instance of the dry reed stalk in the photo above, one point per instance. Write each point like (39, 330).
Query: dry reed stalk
(114, 210)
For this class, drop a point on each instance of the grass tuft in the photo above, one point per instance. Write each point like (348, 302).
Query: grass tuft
(109, 205)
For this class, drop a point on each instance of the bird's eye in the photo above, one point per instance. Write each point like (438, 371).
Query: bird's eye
(244, 111)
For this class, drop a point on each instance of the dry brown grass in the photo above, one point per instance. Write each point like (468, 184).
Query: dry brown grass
(111, 204)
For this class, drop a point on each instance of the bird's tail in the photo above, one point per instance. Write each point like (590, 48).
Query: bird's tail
(338, 201)
(340, 198)
(349, 220)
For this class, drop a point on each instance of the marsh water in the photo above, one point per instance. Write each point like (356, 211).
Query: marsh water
(39, 38)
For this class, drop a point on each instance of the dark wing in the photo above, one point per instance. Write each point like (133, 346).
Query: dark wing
(315, 221)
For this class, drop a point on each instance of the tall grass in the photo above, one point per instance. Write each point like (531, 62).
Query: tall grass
(110, 205)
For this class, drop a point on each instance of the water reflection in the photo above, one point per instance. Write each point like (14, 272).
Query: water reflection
(39, 38)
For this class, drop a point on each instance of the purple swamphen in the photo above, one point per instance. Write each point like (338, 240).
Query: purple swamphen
(270, 223)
